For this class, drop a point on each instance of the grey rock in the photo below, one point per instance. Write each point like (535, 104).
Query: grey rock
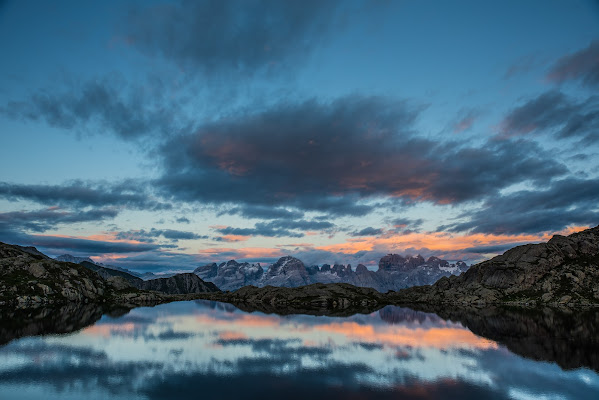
(286, 272)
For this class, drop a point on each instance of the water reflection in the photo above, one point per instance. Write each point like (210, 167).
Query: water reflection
(210, 350)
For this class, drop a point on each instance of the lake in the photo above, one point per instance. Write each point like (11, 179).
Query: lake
(209, 350)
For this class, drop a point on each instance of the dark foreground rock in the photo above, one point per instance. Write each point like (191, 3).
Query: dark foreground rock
(563, 271)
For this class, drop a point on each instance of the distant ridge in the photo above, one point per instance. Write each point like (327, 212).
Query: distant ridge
(79, 260)
(395, 272)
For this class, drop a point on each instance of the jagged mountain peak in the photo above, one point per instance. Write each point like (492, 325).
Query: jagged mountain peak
(397, 272)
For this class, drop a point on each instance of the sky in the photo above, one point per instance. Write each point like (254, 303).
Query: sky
(162, 135)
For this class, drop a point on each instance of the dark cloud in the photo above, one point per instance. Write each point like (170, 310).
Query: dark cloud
(13, 226)
(565, 202)
(407, 222)
(149, 236)
(367, 232)
(474, 173)
(259, 230)
(55, 245)
(334, 157)
(302, 224)
(159, 260)
(43, 220)
(279, 349)
(99, 106)
(170, 335)
(582, 66)
(239, 37)
(129, 193)
(500, 248)
(183, 220)
(554, 113)
(278, 228)
(264, 212)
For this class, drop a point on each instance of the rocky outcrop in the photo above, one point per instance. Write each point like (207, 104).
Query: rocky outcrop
(180, 284)
(564, 270)
(27, 278)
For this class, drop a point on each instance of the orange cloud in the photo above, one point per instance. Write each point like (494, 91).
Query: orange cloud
(234, 238)
(243, 321)
(439, 241)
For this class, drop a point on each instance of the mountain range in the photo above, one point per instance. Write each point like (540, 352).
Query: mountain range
(394, 273)
(564, 272)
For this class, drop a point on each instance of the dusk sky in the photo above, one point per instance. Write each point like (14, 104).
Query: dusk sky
(161, 135)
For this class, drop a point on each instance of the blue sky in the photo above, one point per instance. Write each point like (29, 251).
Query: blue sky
(159, 135)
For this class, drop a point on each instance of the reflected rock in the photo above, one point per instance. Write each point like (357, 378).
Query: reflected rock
(16, 323)
(568, 338)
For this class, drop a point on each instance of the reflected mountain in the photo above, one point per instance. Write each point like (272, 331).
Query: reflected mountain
(46, 320)
(568, 337)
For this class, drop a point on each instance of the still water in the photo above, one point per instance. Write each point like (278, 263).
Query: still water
(213, 350)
